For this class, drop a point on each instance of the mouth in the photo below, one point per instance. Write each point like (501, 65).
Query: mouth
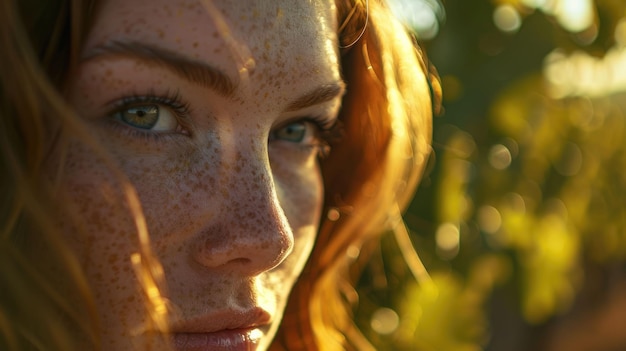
(224, 331)
(246, 339)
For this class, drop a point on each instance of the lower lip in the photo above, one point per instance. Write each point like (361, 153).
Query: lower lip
(223, 340)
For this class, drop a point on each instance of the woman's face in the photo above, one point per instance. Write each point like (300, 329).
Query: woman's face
(214, 112)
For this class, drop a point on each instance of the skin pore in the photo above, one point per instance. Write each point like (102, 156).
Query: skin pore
(221, 150)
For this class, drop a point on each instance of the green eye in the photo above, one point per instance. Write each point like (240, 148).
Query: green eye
(294, 132)
(143, 117)
(152, 117)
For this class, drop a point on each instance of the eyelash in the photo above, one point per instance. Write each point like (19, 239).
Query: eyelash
(171, 100)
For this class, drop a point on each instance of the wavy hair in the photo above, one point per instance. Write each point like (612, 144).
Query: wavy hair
(36, 311)
(370, 176)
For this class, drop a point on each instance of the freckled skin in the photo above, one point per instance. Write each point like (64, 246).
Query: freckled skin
(232, 215)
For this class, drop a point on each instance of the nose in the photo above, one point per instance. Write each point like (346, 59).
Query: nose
(250, 233)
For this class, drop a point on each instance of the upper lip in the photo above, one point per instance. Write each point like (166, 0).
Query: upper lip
(223, 320)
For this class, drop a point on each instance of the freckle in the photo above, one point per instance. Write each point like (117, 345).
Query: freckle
(195, 44)
(113, 258)
(225, 193)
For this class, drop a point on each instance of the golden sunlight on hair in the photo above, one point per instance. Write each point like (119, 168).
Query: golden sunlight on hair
(386, 121)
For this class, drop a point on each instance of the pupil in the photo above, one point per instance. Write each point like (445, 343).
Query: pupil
(145, 117)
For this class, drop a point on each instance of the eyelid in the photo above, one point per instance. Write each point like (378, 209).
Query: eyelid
(324, 123)
(171, 101)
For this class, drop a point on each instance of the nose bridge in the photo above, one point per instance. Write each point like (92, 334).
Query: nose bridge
(252, 203)
(251, 232)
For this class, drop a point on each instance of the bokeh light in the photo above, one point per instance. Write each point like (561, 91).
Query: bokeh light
(423, 16)
(500, 157)
(522, 222)
(385, 321)
(448, 239)
(575, 15)
(506, 18)
(489, 219)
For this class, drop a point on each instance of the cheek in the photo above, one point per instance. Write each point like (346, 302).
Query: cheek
(98, 226)
(97, 212)
(180, 195)
(299, 188)
(299, 185)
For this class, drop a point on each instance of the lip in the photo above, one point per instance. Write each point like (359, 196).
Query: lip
(222, 340)
(226, 330)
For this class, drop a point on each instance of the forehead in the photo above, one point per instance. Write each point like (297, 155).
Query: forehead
(286, 40)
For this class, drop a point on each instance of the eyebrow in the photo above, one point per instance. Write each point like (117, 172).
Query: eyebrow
(193, 71)
(324, 93)
(202, 73)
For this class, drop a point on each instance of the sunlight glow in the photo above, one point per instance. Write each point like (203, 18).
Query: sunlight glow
(489, 219)
(507, 19)
(448, 237)
(540, 4)
(422, 16)
(620, 33)
(385, 321)
(500, 157)
(575, 15)
(580, 74)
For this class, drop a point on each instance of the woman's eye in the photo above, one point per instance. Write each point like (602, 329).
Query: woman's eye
(150, 117)
(306, 134)
(294, 132)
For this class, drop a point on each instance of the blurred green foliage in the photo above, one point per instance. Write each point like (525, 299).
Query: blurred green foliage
(521, 217)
